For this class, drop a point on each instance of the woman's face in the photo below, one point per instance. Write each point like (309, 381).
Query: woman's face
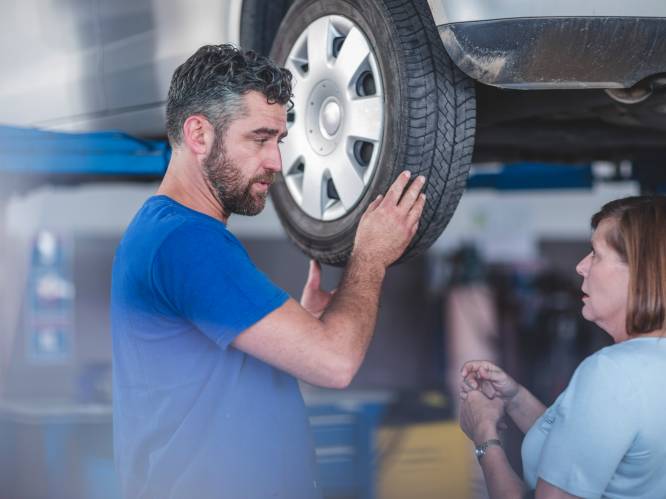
(605, 284)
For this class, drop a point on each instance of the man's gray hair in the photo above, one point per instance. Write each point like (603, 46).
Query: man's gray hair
(212, 82)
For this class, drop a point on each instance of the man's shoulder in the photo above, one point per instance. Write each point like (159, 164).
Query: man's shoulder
(161, 214)
(162, 222)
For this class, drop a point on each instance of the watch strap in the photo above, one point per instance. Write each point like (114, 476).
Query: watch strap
(480, 450)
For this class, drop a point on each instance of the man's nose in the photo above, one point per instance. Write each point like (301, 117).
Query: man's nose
(273, 160)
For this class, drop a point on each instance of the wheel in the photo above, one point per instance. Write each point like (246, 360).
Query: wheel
(374, 93)
(260, 20)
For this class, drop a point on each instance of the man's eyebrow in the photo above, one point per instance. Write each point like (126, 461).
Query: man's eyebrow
(265, 131)
(269, 132)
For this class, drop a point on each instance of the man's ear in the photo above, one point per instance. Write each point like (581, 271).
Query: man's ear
(198, 135)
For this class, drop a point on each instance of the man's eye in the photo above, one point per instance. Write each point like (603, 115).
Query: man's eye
(281, 141)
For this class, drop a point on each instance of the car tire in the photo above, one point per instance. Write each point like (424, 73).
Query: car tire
(420, 117)
(260, 20)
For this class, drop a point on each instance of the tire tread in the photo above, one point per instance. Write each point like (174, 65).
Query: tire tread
(438, 119)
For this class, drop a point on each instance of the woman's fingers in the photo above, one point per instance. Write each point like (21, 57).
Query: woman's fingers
(484, 376)
(492, 372)
(479, 367)
(488, 390)
(473, 374)
(470, 382)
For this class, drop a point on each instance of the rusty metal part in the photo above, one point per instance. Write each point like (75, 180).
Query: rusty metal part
(559, 53)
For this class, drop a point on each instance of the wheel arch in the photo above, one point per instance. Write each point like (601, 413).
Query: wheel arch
(259, 22)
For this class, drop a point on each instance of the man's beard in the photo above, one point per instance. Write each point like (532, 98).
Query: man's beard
(226, 181)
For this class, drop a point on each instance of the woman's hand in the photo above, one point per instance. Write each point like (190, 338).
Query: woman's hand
(489, 379)
(480, 416)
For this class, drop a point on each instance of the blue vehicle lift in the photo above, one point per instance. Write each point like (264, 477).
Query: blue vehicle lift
(532, 176)
(31, 157)
(37, 156)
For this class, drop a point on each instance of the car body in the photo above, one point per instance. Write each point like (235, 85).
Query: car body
(547, 81)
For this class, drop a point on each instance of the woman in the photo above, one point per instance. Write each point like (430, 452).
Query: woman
(605, 435)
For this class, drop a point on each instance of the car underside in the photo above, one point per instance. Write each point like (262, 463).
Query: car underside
(536, 123)
(567, 126)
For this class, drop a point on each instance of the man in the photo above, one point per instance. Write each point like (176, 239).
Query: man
(206, 349)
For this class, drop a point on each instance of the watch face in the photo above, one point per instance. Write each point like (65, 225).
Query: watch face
(480, 450)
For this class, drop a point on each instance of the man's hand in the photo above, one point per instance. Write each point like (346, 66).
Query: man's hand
(480, 416)
(390, 222)
(314, 299)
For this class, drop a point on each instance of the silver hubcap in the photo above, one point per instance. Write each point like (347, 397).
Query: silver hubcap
(336, 125)
(330, 117)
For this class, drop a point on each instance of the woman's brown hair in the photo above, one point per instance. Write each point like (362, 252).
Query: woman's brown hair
(639, 237)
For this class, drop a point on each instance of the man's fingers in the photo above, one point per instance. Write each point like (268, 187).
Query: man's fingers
(373, 206)
(411, 195)
(314, 275)
(416, 210)
(395, 191)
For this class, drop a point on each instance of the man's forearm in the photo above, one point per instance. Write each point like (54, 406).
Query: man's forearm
(352, 314)
(524, 409)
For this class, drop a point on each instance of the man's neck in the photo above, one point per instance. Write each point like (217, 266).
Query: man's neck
(191, 190)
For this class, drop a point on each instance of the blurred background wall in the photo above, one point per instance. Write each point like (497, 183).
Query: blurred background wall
(55, 390)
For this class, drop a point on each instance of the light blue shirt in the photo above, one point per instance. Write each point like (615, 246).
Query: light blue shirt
(605, 435)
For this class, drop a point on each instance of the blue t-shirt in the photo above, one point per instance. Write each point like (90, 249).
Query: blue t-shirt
(605, 434)
(193, 416)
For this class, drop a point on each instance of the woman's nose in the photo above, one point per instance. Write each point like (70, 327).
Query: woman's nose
(581, 268)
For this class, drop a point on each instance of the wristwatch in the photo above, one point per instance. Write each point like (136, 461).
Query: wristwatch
(480, 450)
